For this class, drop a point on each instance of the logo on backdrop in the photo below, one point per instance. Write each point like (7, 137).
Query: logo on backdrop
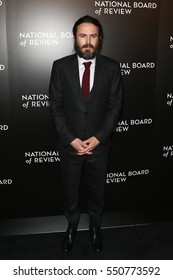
(35, 101)
(171, 42)
(2, 67)
(33, 39)
(170, 99)
(3, 127)
(127, 67)
(124, 125)
(122, 177)
(121, 7)
(4, 182)
(167, 151)
(41, 157)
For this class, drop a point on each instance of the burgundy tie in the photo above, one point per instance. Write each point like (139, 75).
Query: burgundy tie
(86, 79)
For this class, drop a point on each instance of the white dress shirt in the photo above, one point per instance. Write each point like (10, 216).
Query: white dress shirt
(82, 68)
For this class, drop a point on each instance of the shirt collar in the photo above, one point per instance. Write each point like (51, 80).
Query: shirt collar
(81, 60)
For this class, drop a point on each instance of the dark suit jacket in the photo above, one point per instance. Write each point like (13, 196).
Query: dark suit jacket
(75, 117)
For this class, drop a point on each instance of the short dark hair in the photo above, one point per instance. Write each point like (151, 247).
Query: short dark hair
(88, 19)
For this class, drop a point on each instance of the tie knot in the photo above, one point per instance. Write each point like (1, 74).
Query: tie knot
(87, 64)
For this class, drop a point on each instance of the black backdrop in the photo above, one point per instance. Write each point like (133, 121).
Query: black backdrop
(139, 34)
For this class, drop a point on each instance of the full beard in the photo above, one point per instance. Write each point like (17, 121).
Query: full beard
(88, 54)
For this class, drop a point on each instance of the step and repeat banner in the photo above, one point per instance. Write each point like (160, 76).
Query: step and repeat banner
(138, 34)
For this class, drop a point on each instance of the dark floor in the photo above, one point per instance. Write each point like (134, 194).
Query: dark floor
(141, 242)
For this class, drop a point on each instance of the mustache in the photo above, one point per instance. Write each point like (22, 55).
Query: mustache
(88, 46)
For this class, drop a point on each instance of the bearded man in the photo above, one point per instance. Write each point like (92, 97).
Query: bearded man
(85, 105)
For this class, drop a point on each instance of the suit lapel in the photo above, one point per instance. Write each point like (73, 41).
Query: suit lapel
(74, 73)
(97, 78)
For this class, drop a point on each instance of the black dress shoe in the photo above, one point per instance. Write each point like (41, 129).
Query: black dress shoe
(68, 240)
(96, 240)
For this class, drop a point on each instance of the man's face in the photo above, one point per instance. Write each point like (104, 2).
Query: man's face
(87, 40)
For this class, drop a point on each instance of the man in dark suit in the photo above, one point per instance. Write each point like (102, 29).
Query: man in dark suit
(84, 120)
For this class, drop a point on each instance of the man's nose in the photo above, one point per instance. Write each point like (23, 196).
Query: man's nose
(88, 39)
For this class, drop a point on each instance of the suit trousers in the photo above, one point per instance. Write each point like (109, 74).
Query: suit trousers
(95, 167)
